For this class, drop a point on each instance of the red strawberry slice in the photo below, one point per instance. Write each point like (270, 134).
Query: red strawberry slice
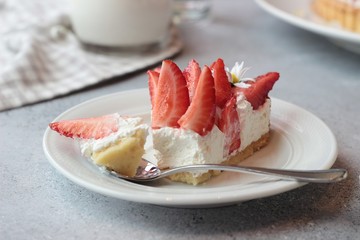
(200, 116)
(157, 69)
(153, 82)
(258, 91)
(229, 124)
(86, 128)
(222, 85)
(192, 74)
(171, 98)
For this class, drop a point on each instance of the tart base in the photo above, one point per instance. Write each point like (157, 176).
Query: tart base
(189, 178)
(345, 14)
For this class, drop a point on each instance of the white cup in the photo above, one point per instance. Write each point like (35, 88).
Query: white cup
(121, 23)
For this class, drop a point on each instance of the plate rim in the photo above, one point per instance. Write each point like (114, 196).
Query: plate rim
(307, 24)
(157, 199)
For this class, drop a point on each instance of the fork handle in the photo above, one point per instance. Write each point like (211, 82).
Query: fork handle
(314, 176)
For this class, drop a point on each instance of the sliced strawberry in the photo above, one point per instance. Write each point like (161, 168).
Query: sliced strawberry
(222, 85)
(192, 74)
(153, 82)
(171, 98)
(258, 91)
(229, 124)
(86, 128)
(200, 116)
(157, 69)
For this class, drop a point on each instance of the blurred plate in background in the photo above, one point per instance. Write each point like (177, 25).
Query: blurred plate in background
(300, 14)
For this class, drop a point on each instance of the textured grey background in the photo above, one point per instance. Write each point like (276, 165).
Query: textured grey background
(36, 202)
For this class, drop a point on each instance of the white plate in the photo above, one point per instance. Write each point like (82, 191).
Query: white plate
(300, 14)
(299, 140)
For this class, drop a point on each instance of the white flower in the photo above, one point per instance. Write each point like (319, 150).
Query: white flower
(238, 72)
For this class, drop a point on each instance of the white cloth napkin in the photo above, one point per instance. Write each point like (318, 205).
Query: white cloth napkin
(41, 58)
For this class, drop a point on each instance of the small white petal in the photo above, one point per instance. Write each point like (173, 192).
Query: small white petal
(238, 71)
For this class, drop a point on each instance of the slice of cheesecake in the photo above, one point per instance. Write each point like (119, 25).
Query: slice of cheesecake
(207, 116)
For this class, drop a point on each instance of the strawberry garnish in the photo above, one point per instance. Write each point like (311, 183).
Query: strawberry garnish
(222, 85)
(192, 74)
(157, 69)
(258, 91)
(86, 128)
(229, 124)
(171, 97)
(200, 116)
(153, 82)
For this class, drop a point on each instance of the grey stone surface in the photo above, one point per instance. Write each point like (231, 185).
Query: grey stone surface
(37, 202)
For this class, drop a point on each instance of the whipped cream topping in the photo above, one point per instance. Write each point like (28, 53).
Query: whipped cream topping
(128, 126)
(253, 123)
(178, 147)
